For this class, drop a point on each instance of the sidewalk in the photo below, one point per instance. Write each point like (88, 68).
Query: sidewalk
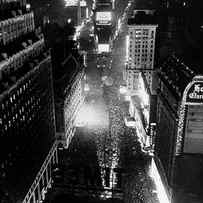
(138, 185)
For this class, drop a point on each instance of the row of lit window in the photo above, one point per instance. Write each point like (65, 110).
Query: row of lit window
(141, 50)
(69, 123)
(144, 32)
(138, 60)
(139, 46)
(27, 87)
(72, 105)
(72, 95)
(14, 27)
(16, 105)
(9, 1)
(19, 114)
(28, 116)
(16, 96)
(143, 55)
(17, 60)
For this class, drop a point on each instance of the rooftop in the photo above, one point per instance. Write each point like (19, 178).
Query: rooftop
(176, 74)
(143, 17)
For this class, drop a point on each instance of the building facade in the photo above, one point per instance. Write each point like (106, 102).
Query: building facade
(69, 97)
(68, 76)
(178, 140)
(27, 120)
(140, 49)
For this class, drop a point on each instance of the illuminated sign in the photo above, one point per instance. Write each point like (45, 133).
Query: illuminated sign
(71, 3)
(103, 17)
(195, 93)
(152, 134)
(83, 3)
(103, 48)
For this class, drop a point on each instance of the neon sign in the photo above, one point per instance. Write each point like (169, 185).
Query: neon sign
(195, 93)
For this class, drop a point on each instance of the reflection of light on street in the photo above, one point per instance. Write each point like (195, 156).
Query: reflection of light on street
(86, 116)
(161, 190)
(89, 115)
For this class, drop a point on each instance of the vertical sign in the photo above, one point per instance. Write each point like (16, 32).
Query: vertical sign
(152, 134)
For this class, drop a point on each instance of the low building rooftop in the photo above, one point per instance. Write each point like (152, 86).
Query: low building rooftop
(142, 17)
(176, 74)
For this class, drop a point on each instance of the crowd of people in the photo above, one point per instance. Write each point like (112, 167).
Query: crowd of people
(130, 158)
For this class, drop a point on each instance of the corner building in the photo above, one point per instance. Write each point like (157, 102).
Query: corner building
(140, 48)
(178, 140)
(27, 122)
(68, 82)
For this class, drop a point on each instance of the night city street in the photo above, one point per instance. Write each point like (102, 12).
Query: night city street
(101, 101)
(101, 160)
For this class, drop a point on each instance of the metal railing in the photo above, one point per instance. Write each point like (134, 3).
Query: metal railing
(43, 180)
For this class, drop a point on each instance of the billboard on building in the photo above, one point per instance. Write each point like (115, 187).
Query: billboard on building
(103, 18)
(69, 3)
(103, 48)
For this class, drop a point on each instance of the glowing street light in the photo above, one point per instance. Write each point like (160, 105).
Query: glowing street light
(69, 20)
(88, 115)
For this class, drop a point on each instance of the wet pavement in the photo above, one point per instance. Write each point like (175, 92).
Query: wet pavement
(104, 162)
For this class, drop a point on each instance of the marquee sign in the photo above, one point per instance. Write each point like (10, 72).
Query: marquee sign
(195, 93)
(103, 18)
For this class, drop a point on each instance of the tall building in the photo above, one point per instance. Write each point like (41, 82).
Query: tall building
(178, 140)
(27, 121)
(140, 48)
(69, 97)
(68, 77)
